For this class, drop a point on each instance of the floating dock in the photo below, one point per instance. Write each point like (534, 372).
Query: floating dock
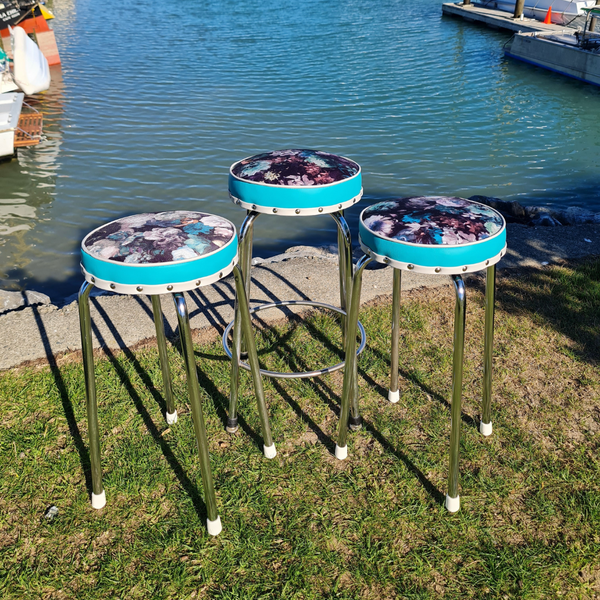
(497, 19)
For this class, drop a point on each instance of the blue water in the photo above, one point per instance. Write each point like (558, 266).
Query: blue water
(155, 101)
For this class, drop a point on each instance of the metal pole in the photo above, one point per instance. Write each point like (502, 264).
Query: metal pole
(394, 394)
(452, 497)
(213, 522)
(171, 415)
(246, 325)
(485, 426)
(350, 375)
(245, 249)
(98, 495)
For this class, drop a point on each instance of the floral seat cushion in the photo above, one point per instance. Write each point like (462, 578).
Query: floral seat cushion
(295, 167)
(436, 232)
(165, 247)
(295, 179)
(159, 237)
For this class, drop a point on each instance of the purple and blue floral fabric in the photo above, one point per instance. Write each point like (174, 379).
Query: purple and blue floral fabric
(433, 220)
(295, 167)
(159, 237)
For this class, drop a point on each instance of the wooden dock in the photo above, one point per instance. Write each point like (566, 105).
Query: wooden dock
(497, 19)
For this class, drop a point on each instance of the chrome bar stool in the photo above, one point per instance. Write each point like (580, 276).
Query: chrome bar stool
(435, 235)
(293, 183)
(158, 253)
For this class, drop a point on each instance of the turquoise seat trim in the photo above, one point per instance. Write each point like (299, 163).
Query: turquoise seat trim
(292, 197)
(161, 274)
(445, 256)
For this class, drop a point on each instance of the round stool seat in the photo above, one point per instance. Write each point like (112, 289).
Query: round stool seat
(433, 234)
(295, 182)
(159, 253)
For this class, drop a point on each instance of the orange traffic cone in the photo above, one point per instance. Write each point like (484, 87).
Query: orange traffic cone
(548, 19)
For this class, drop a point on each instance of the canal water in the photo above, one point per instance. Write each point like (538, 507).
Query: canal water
(155, 101)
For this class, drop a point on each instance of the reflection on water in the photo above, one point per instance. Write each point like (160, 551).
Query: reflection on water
(151, 108)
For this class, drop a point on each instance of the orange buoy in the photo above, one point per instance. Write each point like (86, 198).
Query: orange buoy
(548, 19)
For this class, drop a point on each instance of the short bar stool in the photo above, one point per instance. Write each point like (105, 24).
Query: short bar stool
(435, 235)
(294, 183)
(159, 253)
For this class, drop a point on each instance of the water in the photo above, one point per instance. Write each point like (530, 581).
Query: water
(155, 101)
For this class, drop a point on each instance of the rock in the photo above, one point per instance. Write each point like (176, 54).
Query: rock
(577, 216)
(545, 220)
(511, 209)
(14, 300)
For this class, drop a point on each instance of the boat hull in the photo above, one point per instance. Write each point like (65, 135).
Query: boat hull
(564, 58)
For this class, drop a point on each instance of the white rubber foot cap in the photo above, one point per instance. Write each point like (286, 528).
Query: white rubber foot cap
(270, 451)
(485, 428)
(98, 500)
(452, 504)
(214, 527)
(393, 397)
(171, 418)
(341, 453)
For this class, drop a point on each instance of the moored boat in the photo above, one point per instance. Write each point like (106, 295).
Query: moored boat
(575, 54)
(563, 12)
(17, 129)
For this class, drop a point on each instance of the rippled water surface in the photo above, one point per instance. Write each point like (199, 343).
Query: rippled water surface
(154, 102)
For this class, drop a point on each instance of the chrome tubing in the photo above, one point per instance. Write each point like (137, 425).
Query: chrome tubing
(350, 388)
(87, 350)
(396, 297)
(452, 498)
(488, 350)
(162, 353)
(248, 334)
(196, 404)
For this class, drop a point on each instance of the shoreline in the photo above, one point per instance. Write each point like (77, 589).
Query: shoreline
(44, 333)
(513, 212)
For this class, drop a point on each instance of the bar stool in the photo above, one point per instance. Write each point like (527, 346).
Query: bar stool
(158, 253)
(435, 235)
(294, 183)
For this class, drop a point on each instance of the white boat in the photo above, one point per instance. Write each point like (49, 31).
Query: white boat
(16, 129)
(575, 54)
(563, 11)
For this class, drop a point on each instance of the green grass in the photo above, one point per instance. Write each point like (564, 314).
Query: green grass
(305, 525)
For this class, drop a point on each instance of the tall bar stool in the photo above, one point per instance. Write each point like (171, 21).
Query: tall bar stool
(158, 253)
(293, 183)
(435, 235)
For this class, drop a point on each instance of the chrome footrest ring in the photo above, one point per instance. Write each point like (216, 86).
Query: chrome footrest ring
(302, 374)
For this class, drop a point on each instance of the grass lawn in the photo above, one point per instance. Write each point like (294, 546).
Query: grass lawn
(305, 525)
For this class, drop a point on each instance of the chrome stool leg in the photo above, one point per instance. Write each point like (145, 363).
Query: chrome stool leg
(213, 521)
(98, 494)
(245, 245)
(171, 414)
(393, 393)
(345, 274)
(452, 497)
(485, 425)
(248, 335)
(350, 387)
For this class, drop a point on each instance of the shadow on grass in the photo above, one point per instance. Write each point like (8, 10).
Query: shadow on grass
(84, 457)
(326, 394)
(184, 480)
(567, 298)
